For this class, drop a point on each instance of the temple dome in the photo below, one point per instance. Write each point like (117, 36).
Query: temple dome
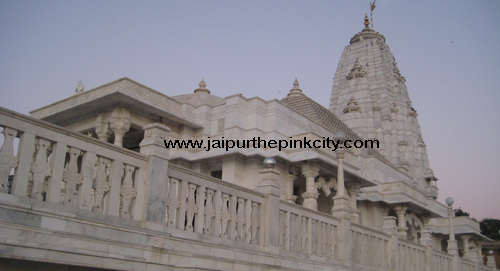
(201, 96)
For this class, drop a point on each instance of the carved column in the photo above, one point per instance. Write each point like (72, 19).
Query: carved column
(401, 211)
(102, 128)
(120, 124)
(291, 177)
(425, 234)
(310, 171)
(465, 239)
(353, 190)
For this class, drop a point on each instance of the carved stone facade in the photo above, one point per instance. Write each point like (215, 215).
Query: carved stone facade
(136, 205)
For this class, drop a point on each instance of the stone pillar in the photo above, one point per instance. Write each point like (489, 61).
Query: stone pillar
(102, 129)
(474, 255)
(119, 124)
(353, 190)
(290, 178)
(153, 145)
(425, 234)
(490, 260)
(269, 185)
(465, 239)
(401, 211)
(452, 243)
(310, 171)
(341, 201)
(389, 226)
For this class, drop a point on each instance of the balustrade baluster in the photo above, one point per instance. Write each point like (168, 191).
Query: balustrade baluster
(287, 231)
(71, 176)
(191, 207)
(255, 223)
(101, 185)
(127, 191)
(240, 220)
(54, 182)
(200, 204)
(172, 202)
(183, 192)
(232, 222)
(7, 158)
(248, 221)
(218, 212)
(225, 216)
(209, 212)
(115, 179)
(88, 167)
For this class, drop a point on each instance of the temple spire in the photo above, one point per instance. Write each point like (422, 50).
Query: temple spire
(367, 21)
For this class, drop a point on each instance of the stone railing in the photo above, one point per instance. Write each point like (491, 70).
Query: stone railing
(412, 256)
(484, 268)
(207, 206)
(442, 261)
(466, 265)
(56, 165)
(369, 247)
(302, 230)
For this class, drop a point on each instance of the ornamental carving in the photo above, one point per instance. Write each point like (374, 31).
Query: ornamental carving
(172, 203)
(225, 215)
(40, 169)
(127, 191)
(7, 159)
(71, 176)
(101, 185)
(191, 207)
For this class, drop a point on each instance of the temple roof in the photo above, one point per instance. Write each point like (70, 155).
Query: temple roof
(319, 114)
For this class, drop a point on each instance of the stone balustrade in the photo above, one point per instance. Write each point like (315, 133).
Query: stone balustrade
(442, 261)
(412, 256)
(97, 193)
(302, 230)
(204, 205)
(369, 247)
(59, 166)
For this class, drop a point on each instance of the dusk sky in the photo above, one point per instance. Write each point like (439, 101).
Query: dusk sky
(448, 51)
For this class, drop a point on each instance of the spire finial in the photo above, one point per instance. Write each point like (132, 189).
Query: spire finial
(295, 90)
(367, 21)
(202, 88)
(202, 83)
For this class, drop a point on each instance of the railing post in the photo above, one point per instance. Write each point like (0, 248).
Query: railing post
(153, 145)
(390, 227)
(269, 185)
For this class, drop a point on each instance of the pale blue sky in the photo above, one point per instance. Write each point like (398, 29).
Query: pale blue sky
(448, 51)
